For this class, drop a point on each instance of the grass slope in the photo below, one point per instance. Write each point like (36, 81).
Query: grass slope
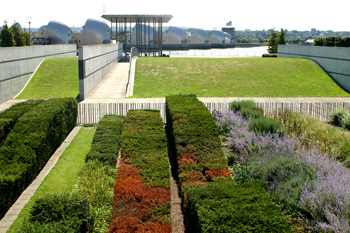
(63, 175)
(55, 78)
(233, 77)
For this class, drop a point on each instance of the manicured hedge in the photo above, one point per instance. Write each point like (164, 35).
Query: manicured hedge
(9, 117)
(195, 137)
(142, 196)
(105, 144)
(60, 213)
(223, 206)
(212, 201)
(32, 141)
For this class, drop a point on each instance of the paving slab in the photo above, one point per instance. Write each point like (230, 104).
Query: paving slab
(114, 84)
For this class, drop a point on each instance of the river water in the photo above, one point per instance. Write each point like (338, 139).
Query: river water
(229, 52)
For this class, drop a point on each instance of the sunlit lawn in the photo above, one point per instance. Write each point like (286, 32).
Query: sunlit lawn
(233, 77)
(55, 78)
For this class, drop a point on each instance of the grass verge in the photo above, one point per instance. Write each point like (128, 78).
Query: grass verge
(63, 175)
(233, 77)
(55, 78)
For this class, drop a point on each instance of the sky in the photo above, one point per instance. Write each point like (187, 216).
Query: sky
(301, 15)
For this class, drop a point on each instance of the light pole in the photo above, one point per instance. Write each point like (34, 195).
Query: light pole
(29, 19)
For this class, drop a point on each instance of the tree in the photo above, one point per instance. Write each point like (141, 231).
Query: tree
(18, 35)
(7, 38)
(276, 38)
(272, 43)
(282, 37)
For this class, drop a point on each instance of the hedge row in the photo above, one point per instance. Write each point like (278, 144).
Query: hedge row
(9, 117)
(220, 205)
(60, 213)
(105, 144)
(88, 208)
(32, 141)
(195, 137)
(142, 196)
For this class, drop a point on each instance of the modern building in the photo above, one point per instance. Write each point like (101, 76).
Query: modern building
(94, 32)
(151, 45)
(59, 33)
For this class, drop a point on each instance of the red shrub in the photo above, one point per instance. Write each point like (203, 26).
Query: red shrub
(131, 201)
(212, 174)
(187, 158)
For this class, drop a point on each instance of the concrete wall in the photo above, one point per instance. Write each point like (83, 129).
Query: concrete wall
(335, 61)
(17, 65)
(95, 62)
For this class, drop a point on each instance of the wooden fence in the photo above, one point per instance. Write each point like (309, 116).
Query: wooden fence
(93, 112)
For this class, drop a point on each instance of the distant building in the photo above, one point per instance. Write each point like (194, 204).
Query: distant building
(313, 30)
(309, 42)
(247, 30)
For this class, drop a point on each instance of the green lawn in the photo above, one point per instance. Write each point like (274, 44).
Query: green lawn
(55, 78)
(233, 77)
(63, 175)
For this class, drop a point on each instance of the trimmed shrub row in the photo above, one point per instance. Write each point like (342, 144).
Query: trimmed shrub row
(88, 208)
(195, 137)
(9, 117)
(105, 144)
(32, 141)
(99, 173)
(60, 213)
(220, 205)
(142, 189)
(223, 206)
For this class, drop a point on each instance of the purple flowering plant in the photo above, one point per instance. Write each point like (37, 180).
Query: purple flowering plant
(299, 179)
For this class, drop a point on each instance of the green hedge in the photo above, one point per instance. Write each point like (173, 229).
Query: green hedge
(60, 213)
(105, 144)
(142, 189)
(144, 145)
(32, 141)
(214, 204)
(223, 206)
(195, 137)
(269, 55)
(9, 117)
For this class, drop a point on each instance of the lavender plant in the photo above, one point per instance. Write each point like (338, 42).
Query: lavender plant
(321, 184)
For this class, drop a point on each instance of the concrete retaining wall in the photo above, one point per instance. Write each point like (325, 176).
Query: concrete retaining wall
(17, 65)
(95, 62)
(335, 61)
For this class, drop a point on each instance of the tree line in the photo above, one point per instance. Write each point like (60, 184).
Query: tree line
(13, 36)
(333, 41)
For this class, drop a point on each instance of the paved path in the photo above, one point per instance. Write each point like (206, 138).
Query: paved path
(114, 84)
(17, 207)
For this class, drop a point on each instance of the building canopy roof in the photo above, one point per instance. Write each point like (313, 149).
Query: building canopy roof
(138, 18)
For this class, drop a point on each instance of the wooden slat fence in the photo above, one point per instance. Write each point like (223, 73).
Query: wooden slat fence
(318, 110)
(93, 112)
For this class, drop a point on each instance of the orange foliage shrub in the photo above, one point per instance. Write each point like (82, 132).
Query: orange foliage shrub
(187, 158)
(212, 174)
(131, 201)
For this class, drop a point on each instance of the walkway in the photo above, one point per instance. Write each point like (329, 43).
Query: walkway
(17, 207)
(114, 84)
